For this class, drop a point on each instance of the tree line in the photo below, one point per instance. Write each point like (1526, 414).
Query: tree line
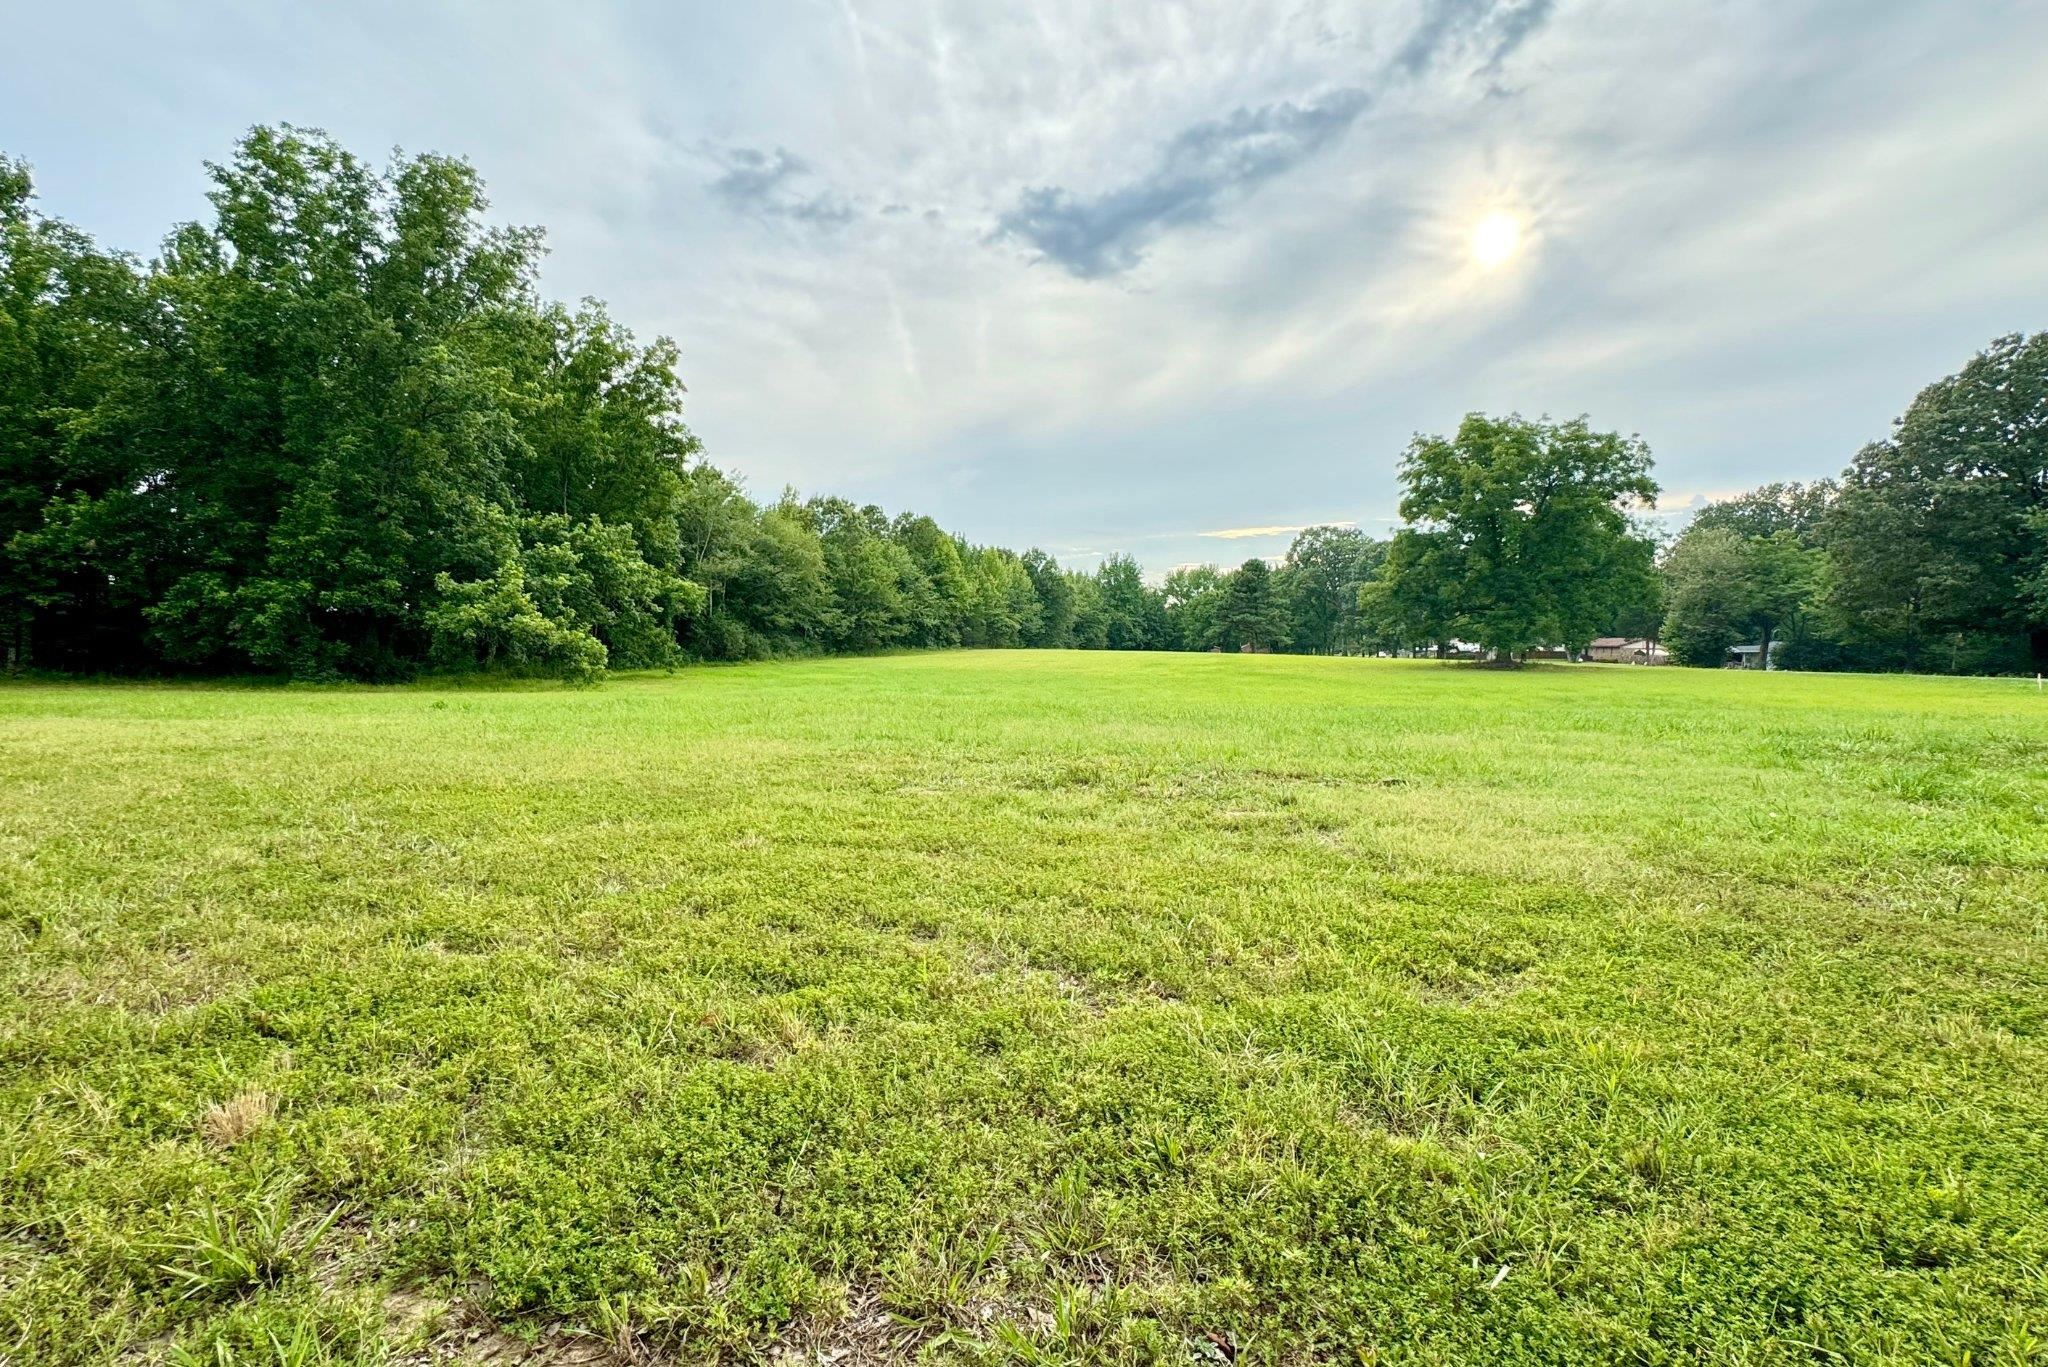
(336, 432)
(1929, 553)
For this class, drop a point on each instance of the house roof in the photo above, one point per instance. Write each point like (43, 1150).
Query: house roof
(1608, 641)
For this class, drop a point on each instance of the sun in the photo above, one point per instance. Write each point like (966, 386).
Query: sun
(1495, 239)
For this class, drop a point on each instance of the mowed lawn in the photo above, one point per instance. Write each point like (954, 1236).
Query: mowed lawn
(1043, 1007)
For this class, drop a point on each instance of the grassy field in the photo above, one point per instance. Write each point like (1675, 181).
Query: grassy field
(1030, 1007)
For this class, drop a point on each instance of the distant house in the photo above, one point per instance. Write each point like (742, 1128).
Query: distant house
(1626, 650)
(1748, 657)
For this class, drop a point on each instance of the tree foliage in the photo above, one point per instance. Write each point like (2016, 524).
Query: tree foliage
(346, 437)
(1326, 567)
(1931, 552)
(1252, 615)
(1518, 535)
(1796, 509)
(1726, 588)
(334, 430)
(1943, 529)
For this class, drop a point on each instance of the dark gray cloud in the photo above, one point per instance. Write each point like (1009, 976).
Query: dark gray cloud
(1492, 27)
(776, 184)
(1203, 168)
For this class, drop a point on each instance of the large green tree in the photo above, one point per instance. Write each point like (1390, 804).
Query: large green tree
(69, 318)
(344, 420)
(1192, 597)
(944, 599)
(867, 571)
(1055, 600)
(1795, 508)
(1324, 570)
(1724, 587)
(1251, 615)
(1519, 534)
(1943, 529)
(783, 589)
(333, 430)
(1091, 619)
(1134, 616)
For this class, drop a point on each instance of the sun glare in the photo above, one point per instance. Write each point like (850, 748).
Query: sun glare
(1495, 239)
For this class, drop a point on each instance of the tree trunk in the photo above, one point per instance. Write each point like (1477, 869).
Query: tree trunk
(1763, 653)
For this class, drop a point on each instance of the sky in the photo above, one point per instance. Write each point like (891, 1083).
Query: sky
(1166, 279)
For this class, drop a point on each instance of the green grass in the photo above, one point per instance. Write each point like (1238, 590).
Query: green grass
(1028, 1007)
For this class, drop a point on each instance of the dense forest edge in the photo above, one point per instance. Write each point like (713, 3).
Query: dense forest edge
(337, 433)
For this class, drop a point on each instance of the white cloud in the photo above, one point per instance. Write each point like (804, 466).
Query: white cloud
(1242, 533)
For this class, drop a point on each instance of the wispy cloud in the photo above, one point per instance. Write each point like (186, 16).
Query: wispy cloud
(1242, 533)
(1203, 168)
(1494, 28)
(1213, 164)
(1687, 502)
(775, 184)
